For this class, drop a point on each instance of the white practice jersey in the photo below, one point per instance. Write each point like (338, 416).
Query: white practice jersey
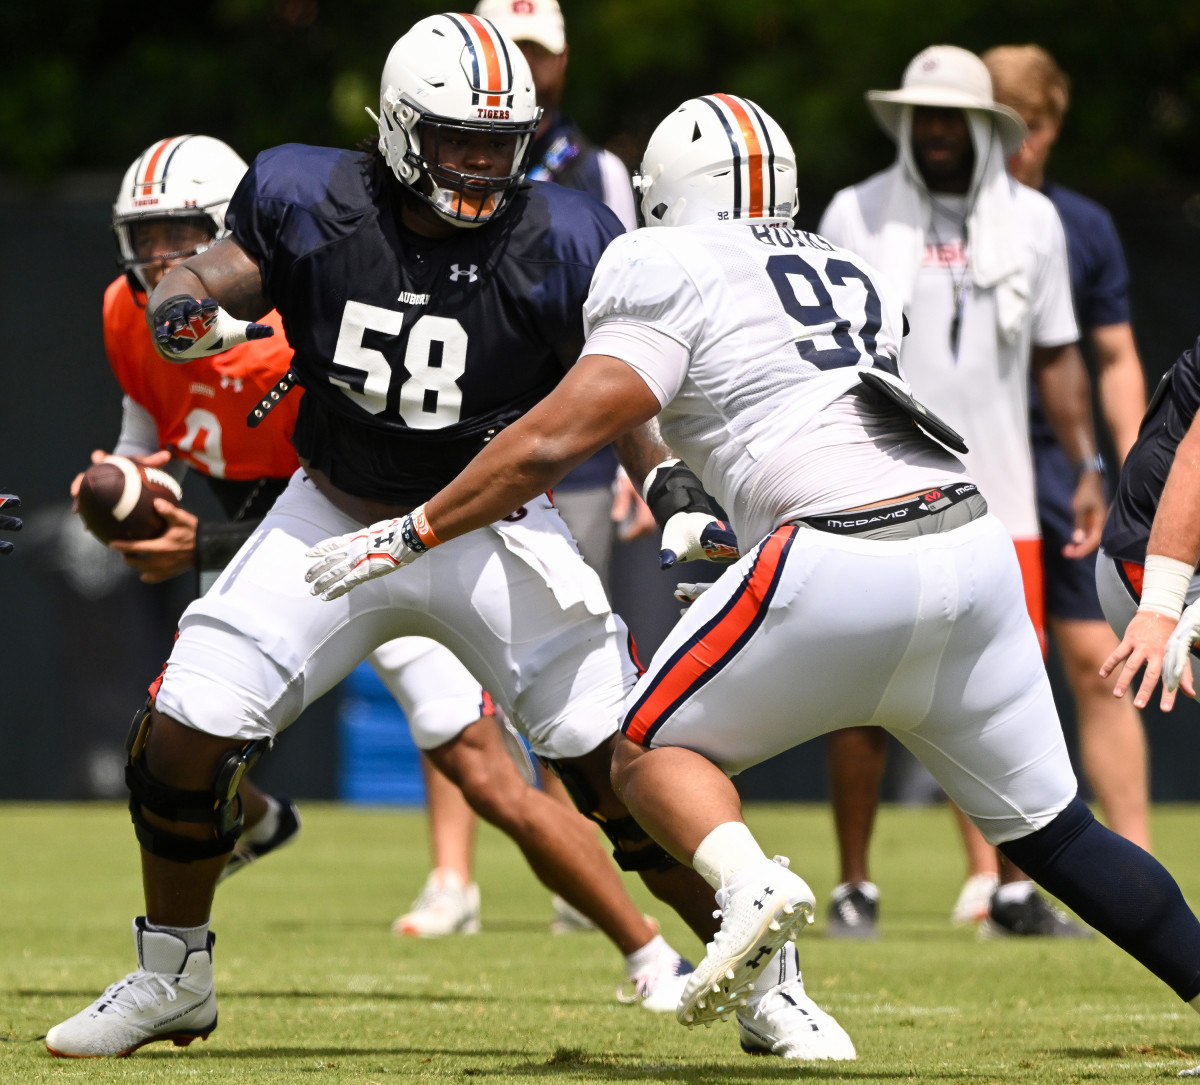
(756, 334)
(982, 388)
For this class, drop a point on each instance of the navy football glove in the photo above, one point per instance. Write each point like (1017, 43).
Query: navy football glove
(8, 503)
(697, 536)
(185, 328)
(685, 513)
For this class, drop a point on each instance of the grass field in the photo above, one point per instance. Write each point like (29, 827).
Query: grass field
(314, 988)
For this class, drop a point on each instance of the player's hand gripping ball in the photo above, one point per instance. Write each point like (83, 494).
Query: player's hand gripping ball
(116, 499)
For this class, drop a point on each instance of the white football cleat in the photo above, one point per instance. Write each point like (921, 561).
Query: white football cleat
(169, 997)
(765, 907)
(659, 986)
(444, 906)
(782, 1020)
(974, 899)
(567, 918)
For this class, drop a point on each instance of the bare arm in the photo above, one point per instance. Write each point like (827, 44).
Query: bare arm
(1065, 391)
(1174, 534)
(225, 272)
(1122, 383)
(600, 400)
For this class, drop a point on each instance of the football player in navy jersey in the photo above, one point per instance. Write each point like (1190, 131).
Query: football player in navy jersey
(430, 297)
(1146, 570)
(449, 901)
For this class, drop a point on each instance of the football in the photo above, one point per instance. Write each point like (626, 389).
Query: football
(116, 499)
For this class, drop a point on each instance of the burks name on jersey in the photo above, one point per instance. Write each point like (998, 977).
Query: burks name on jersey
(782, 236)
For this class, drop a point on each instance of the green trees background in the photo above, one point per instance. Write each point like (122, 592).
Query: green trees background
(87, 87)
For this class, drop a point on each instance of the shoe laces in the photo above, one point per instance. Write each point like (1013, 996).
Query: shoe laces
(848, 910)
(846, 904)
(142, 989)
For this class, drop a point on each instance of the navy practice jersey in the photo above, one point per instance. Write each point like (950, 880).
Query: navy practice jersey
(413, 352)
(1127, 529)
(1099, 278)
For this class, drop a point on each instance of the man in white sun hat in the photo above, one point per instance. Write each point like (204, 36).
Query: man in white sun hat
(981, 265)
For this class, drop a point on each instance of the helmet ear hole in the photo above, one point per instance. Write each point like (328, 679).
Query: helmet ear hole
(659, 210)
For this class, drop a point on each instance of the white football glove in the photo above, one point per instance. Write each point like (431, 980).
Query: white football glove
(187, 328)
(348, 560)
(1179, 646)
(697, 536)
(687, 594)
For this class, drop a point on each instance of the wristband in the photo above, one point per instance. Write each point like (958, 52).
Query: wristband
(1092, 463)
(1165, 585)
(418, 533)
(672, 488)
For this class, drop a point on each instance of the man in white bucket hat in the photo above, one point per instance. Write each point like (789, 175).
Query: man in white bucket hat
(981, 264)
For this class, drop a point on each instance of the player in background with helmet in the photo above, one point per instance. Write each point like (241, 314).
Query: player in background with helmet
(196, 412)
(449, 901)
(430, 298)
(981, 264)
(874, 586)
(171, 205)
(1112, 741)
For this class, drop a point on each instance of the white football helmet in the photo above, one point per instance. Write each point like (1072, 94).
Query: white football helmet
(187, 178)
(717, 159)
(454, 76)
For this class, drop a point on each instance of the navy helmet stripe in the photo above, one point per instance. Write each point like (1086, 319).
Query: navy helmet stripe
(466, 34)
(737, 155)
(166, 170)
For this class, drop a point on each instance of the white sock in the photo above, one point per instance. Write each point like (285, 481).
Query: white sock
(265, 829)
(443, 877)
(782, 968)
(192, 937)
(642, 958)
(1015, 892)
(725, 853)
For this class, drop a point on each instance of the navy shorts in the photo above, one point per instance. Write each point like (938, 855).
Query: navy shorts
(1070, 582)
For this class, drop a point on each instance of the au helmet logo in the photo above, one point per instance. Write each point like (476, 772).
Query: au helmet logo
(457, 271)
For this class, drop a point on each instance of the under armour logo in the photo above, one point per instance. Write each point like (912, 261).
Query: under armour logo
(763, 951)
(457, 272)
(381, 541)
(232, 382)
(759, 904)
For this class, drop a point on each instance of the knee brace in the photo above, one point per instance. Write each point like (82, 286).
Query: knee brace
(633, 848)
(219, 805)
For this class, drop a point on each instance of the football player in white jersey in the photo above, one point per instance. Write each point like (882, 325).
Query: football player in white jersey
(891, 596)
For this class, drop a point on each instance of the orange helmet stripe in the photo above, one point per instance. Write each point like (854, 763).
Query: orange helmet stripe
(491, 58)
(148, 179)
(753, 150)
